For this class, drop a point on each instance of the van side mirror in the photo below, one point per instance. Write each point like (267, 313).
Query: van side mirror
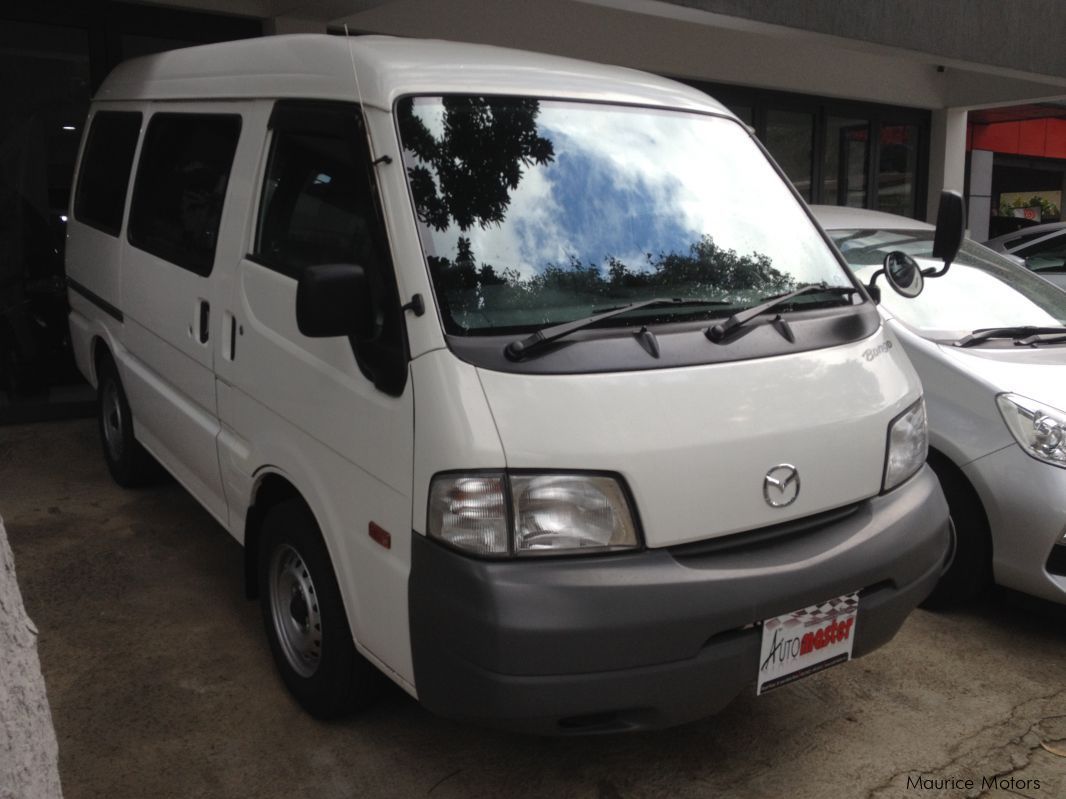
(334, 300)
(950, 230)
(904, 274)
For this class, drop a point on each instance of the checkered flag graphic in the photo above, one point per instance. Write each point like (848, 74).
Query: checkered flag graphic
(817, 614)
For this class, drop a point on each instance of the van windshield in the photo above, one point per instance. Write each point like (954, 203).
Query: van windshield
(535, 212)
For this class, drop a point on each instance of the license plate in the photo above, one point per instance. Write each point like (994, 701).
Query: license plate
(798, 644)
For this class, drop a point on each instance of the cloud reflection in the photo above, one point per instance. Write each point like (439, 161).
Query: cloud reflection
(634, 187)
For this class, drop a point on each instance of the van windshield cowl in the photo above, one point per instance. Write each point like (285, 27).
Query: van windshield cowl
(536, 213)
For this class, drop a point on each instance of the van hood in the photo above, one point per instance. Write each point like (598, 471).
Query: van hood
(1035, 372)
(695, 444)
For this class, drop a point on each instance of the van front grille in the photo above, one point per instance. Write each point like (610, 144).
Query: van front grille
(763, 536)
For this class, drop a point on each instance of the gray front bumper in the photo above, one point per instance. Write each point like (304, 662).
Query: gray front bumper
(659, 637)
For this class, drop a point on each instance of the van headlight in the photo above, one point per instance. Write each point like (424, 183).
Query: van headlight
(908, 445)
(499, 514)
(1039, 429)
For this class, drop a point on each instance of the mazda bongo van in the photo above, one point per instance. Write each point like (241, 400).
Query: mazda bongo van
(526, 382)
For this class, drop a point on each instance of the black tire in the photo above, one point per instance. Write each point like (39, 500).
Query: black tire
(305, 620)
(129, 463)
(971, 571)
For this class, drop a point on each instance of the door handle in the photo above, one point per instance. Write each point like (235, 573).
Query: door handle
(230, 331)
(205, 321)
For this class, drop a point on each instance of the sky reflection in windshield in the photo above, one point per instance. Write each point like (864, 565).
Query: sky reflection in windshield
(534, 212)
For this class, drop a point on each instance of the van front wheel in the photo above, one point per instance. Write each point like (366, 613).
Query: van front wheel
(305, 620)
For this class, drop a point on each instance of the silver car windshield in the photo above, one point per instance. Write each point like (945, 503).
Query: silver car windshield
(982, 289)
(535, 212)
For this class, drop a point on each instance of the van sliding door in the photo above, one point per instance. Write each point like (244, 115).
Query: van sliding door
(179, 201)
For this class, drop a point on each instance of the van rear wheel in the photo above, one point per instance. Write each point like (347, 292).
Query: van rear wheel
(129, 463)
(304, 617)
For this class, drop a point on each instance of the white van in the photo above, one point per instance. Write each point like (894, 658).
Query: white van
(529, 382)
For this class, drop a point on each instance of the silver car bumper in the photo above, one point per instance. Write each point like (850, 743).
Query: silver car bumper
(1025, 500)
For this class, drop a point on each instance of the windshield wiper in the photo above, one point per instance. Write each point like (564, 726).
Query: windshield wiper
(1020, 332)
(1032, 341)
(718, 332)
(523, 348)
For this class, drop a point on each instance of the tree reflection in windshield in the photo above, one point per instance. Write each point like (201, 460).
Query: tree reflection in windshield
(534, 212)
(471, 291)
(468, 171)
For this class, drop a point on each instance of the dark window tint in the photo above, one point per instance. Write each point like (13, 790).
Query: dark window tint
(847, 146)
(319, 206)
(1020, 240)
(181, 184)
(1047, 256)
(790, 140)
(897, 178)
(105, 170)
(745, 113)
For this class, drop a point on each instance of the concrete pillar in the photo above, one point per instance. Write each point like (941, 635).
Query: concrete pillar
(979, 202)
(28, 751)
(947, 156)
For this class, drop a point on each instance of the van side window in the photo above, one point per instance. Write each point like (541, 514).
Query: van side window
(100, 197)
(319, 206)
(181, 185)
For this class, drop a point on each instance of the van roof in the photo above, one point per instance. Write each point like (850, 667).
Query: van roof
(319, 66)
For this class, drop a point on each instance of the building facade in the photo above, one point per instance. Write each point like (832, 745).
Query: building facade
(864, 103)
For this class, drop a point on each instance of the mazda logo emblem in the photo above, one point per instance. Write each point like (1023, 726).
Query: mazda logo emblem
(781, 485)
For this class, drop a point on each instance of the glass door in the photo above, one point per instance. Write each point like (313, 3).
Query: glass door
(45, 86)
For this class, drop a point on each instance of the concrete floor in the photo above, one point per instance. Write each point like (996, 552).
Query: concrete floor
(161, 682)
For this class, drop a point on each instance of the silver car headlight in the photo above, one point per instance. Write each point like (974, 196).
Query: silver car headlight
(908, 445)
(1039, 429)
(500, 514)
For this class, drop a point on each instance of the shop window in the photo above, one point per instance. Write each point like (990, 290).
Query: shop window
(790, 140)
(897, 182)
(847, 147)
(745, 113)
(134, 46)
(45, 85)
(105, 170)
(53, 55)
(181, 185)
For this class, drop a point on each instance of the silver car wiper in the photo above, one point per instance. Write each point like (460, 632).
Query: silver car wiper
(1024, 333)
(525, 347)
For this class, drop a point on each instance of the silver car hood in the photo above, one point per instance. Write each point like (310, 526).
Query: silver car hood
(1035, 372)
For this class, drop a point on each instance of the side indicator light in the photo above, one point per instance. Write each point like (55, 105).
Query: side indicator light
(380, 535)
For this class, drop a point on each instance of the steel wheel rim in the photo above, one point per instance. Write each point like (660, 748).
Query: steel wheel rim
(294, 610)
(111, 420)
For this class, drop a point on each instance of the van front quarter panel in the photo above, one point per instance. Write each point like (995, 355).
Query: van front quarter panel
(302, 405)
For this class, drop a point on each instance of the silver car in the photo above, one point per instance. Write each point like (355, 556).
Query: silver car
(989, 343)
(1042, 248)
